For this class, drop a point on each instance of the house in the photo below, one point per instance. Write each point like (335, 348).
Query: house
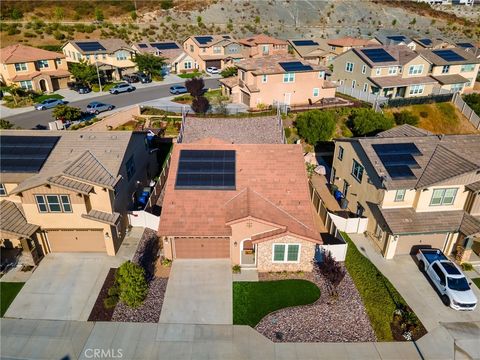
(455, 69)
(429, 43)
(219, 51)
(278, 79)
(314, 51)
(177, 60)
(254, 208)
(33, 69)
(395, 39)
(415, 187)
(392, 71)
(263, 45)
(340, 45)
(112, 56)
(69, 191)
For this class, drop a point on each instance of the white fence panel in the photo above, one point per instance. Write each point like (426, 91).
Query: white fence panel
(360, 94)
(144, 219)
(351, 225)
(338, 251)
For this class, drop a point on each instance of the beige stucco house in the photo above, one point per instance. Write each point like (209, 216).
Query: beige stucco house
(263, 45)
(112, 56)
(315, 51)
(69, 191)
(342, 44)
(416, 188)
(281, 79)
(33, 69)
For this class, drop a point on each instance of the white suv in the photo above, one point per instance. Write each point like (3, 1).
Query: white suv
(122, 87)
(213, 70)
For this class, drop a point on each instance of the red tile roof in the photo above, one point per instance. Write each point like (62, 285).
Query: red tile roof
(271, 185)
(21, 53)
(261, 39)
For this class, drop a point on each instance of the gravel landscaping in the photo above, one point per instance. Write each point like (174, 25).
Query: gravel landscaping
(327, 320)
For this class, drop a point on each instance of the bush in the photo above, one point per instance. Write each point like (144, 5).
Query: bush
(288, 132)
(132, 284)
(195, 86)
(229, 71)
(236, 269)
(473, 100)
(332, 271)
(200, 104)
(424, 114)
(467, 266)
(68, 113)
(368, 122)
(316, 125)
(406, 117)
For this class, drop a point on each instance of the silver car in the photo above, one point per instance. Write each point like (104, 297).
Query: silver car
(122, 87)
(49, 103)
(96, 107)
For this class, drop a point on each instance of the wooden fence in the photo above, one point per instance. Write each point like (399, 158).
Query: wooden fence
(466, 110)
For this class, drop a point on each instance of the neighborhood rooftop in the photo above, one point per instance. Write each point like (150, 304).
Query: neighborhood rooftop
(277, 64)
(20, 53)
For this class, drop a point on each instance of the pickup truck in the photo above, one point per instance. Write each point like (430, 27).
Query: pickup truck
(449, 280)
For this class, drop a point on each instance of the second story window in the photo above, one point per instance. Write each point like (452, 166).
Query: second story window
(121, 55)
(265, 49)
(130, 167)
(316, 92)
(340, 153)
(443, 197)
(445, 69)
(321, 75)
(357, 171)
(42, 64)
(53, 203)
(3, 190)
(392, 70)
(415, 69)
(378, 71)
(364, 69)
(349, 67)
(20, 67)
(288, 77)
(264, 78)
(191, 48)
(217, 50)
(400, 195)
(58, 61)
(467, 68)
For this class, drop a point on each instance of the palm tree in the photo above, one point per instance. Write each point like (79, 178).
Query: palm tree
(14, 91)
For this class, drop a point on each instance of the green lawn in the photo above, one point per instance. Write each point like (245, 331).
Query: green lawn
(476, 281)
(45, 97)
(378, 294)
(254, 300)
(190, 75)
(9, 291)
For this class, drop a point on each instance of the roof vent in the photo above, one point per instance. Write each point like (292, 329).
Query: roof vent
(91, 137)
(113, 137)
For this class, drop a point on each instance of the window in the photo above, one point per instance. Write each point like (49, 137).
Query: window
(26, 84)
(440, 274)
(332, 176)
(191, 48)
(242, 75)
(416, 89)
(316, 91)
(42, 64)
(104, 56)
(264, 78)
(349, 67)
(188, 64)
(360, 210)
(357, 171)
(333, 48)
(265, 49)
(53, 203)
(364, 69)
(346, 186)
(321, 75)
(392, 70)
(58, 61)
(415, 69)
(354, 83)
(233, 49)
(456, 87)
(340, 153)
(288, 77)
(21, 67)
(3, 191)
(88, 57)
(467, 68)
(365, 87)
(378, 71)
(400, 195)
(121, 55)
(130, 167)
(469, 83)
(217, 49)
(443, 197)
(79, 56)
(379, 232)
(445, 69)
(95, 56)
(286, 252)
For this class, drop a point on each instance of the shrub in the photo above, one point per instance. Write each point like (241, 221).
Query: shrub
(316, 125)
(288, 132)
(236, 269)
(68, 113)
(229, 71)
(467, 266)
(113, 296)
(424, 114)
(406, 117)
(473, 100)
(132, 284)
(200, 104)
(368, 122)
(5, 124)
(58, 35)
(166, 4)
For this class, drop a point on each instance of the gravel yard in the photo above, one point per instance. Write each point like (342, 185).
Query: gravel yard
(328, 320)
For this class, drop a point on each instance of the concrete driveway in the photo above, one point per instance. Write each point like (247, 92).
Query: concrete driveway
(198, 292)
(63, 287)
(403, 273)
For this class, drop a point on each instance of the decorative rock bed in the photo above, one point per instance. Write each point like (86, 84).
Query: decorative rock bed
(341, 319)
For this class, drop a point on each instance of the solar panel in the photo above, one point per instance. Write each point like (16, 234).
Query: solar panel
(378, 55)
(400, 172)
(203, 39)
(398, 38)
(466, 45)
(448, 55)
(294, 66)
(226, 36)
(305, 42)
(142, 46)
(206, 169)
(90, 46)
(25, 153)
(165, 46)
(450, 268)
(398, 159)
(426, 42)
(396, 149)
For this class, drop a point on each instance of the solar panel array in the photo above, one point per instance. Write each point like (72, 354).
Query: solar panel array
(448, 55)
(398, 38)
(226, 36)
(465, 45)
(378, 55)
(206, 170)
(90, 46)
(305, 42)
(398, 159)
(25, 154)
(203, 39)
(292, 66)
(426, 42)
(142, 46)
(165, 46)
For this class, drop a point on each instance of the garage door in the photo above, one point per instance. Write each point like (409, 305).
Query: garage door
(245, 98)
(409, 243)
(202, 248)
(76, 240)
(216, 63)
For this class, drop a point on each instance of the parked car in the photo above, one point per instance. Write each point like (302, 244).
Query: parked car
(178, 89)
(80, 88)
(49, 103)
(449, 280)
(96, 107)
(213, 70)
(130, 78)
(144, 78)
(122, 87)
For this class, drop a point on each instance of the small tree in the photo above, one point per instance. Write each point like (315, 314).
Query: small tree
(368, 122)
(99, 14)
(5, 124)
(229, 71)
(406, 117)
(332, 271)
(84, 72)
(150, 64)
(132, 284)
(15, 91)
(66, 113)
(195, 86)
(200, 104)
(316, 125)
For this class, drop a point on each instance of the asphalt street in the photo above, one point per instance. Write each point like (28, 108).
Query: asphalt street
(39, 119)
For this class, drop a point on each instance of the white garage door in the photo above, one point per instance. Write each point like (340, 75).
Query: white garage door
(76, 240)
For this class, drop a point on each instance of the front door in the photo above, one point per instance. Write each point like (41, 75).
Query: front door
(247, 252)
(287, 98)
(401, 91)
(43, 85)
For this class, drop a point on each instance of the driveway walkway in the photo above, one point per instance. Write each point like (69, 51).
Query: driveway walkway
(198, 292)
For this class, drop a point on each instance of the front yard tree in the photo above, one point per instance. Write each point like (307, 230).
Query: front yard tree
(67, 113)
(84, 72)
(200, 104)
(149, 64)
(132, 284)
(195, 86)
(316, 125)
(15, 91)
(332, 271)
(229, 71)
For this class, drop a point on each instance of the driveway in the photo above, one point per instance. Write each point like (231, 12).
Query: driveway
(63, 287)
(403, 273)
(198, 292)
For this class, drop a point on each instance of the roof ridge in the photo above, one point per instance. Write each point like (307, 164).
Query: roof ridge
(78, 158)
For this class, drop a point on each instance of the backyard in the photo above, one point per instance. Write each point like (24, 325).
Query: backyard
(9, 291)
